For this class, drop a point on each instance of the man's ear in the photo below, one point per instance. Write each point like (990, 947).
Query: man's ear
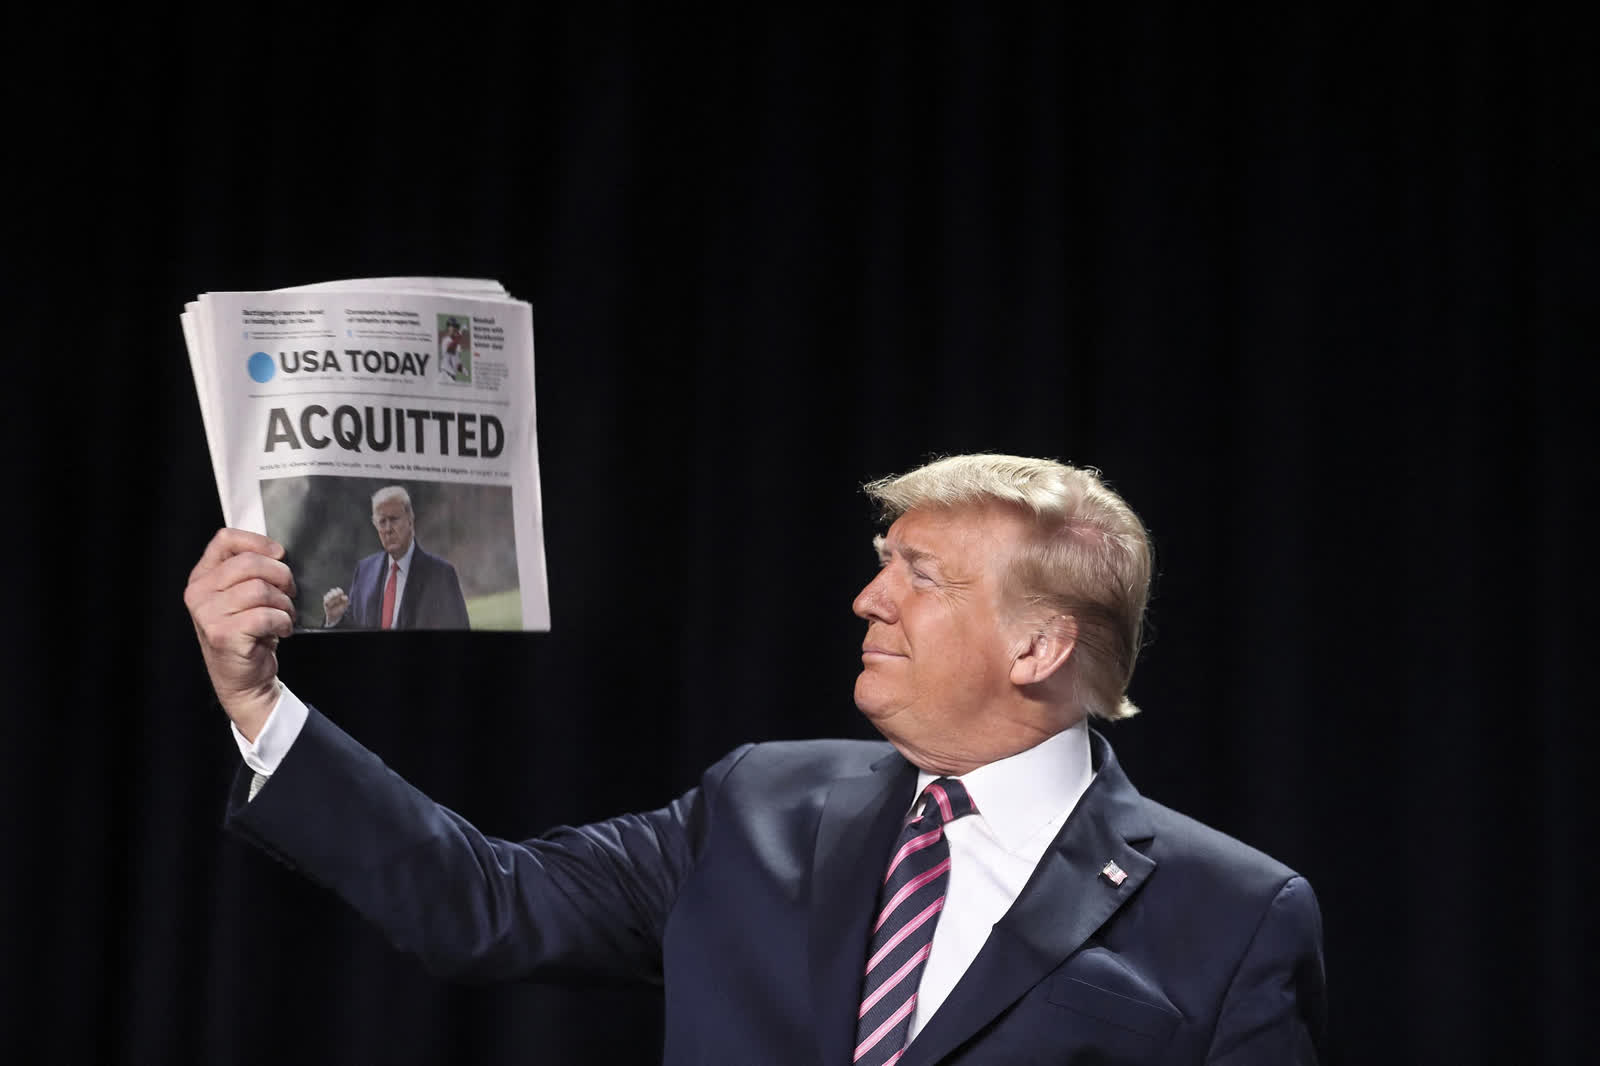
(1048, 647)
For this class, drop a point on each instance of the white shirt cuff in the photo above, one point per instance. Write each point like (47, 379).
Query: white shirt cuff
(277, 735)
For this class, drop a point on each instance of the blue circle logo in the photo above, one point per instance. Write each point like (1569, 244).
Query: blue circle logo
(262, 367)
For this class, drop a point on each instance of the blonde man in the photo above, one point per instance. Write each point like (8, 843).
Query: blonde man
(988, 886)
(401, 586)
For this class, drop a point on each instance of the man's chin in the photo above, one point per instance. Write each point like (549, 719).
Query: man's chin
(876, 706)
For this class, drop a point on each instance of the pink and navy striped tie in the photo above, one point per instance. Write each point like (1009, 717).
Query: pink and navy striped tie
(908, 907)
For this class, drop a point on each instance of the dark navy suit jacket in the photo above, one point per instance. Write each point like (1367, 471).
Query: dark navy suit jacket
(433, 597)
(750, 895)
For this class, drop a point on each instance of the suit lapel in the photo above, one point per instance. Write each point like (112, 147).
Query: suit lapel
(1060, 907)
(859, 823)
(416, 582)
(406, 613)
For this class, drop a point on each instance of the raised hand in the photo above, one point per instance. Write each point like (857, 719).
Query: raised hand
(241, 598)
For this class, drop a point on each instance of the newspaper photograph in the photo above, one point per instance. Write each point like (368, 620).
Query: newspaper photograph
(383, 431)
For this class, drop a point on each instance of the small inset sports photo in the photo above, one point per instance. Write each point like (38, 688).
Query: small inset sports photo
(455, 348)
(372, 553)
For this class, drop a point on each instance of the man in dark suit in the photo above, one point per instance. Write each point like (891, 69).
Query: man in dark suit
(986, 887)
(402, 586)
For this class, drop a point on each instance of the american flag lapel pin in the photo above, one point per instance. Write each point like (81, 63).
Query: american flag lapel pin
(1113, 873)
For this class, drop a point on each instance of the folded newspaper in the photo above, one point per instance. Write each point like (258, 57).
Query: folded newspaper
(382, 431)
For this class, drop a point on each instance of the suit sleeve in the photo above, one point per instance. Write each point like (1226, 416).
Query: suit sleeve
(454, 604)
(591, 900)
(1276, 1006)
(348, 619)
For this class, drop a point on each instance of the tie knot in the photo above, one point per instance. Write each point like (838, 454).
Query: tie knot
(945, 800)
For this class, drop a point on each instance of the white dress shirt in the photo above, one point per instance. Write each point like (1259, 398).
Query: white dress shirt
(277, 734)
(1021, 803)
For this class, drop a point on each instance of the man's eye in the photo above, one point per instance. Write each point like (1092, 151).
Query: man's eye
(920, 576)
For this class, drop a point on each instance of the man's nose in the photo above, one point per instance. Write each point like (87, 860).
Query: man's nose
(874, 603)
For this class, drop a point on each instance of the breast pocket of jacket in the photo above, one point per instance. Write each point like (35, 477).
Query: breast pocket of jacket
(1123, 1029)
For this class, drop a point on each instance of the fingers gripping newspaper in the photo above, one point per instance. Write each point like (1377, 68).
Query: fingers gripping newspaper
(382, 431)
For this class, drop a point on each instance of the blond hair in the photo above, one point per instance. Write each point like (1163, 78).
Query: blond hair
(1089, 557)
(392, 492)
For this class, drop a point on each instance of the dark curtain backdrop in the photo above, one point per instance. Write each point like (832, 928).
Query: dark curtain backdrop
(1312, 290)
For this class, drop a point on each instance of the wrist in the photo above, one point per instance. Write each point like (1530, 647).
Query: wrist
(250, 710)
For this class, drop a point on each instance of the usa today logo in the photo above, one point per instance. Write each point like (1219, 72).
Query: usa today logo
(261, 366)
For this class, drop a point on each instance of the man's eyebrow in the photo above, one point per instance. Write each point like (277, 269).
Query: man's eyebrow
(914, 556)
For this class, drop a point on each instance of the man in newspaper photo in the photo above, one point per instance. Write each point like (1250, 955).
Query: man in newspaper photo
(402, 586)
(982, 885)
(454, 348)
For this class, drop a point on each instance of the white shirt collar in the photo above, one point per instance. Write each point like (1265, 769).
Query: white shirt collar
(1031, 792)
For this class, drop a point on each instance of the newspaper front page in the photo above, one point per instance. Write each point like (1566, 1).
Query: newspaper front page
(383, 431)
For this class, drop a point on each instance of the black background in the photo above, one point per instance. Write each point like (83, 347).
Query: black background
(1311, 289)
